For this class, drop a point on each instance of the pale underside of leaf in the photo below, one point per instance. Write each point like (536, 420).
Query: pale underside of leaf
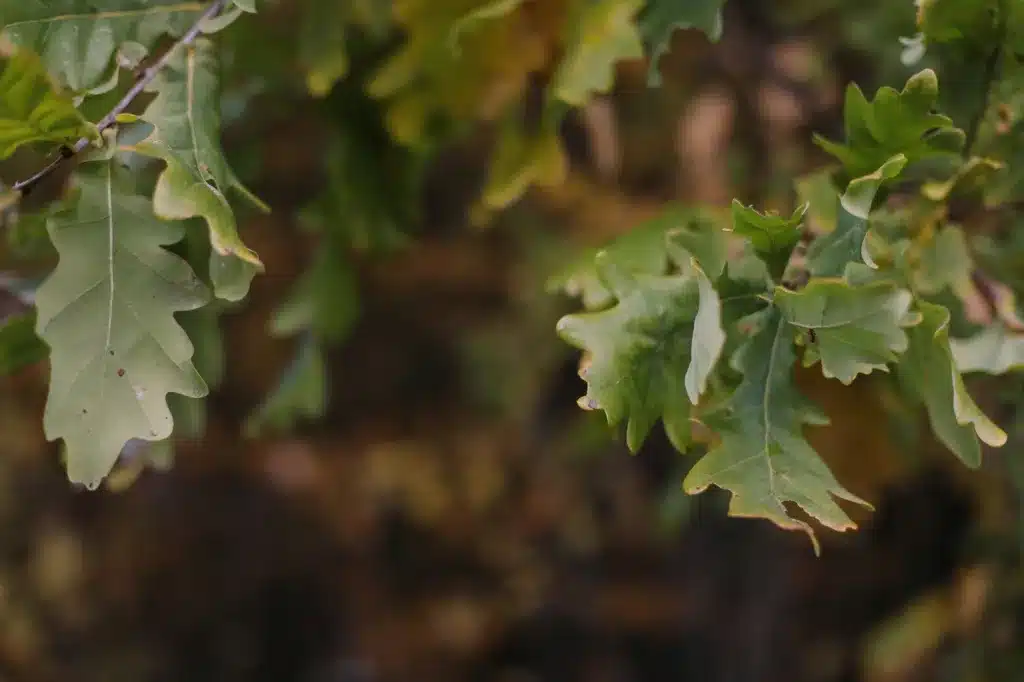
(107, 313)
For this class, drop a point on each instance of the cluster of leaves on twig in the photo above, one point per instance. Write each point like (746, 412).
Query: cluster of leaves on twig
(702, 320)
(696, 319)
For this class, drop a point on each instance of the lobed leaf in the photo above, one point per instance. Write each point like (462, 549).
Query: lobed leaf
(661, 18)
(763, 458)
(856, 329)
(893, 123)
(606, 33)
(651, 354)
(107, 313)
(773, 237)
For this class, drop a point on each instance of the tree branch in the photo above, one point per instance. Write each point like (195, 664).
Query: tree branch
(145, 78)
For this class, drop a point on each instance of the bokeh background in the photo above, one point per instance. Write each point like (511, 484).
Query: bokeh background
(452, 515)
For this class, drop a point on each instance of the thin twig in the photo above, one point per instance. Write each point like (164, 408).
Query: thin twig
(147, 76)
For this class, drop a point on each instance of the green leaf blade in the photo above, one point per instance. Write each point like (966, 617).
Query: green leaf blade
(763, 458)
(640, 352)
(77, 39)
(929, 370)
(194, 183)
(662, 18)
(107, 313)
(607, 34)
(857, 329)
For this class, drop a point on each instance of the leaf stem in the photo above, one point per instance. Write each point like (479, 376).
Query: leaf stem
(144, 79)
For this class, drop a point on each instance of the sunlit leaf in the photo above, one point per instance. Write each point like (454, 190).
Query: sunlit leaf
(605, 33)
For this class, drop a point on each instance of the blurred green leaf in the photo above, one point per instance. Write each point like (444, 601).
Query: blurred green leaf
(19, 345)
(661, 18)
(301, 394)
(996, 349)
(31, 108)
(605, 33)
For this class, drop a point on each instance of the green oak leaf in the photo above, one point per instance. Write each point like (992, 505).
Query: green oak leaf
(856, 329)
(893, 123)
(953, 20)
(19, 345)
(606, 33)
(772, 236)
(523, 159)
(31, 108)
(301, 394)
(107, 313)
(763, 458)
(322, 50)
(325, 301)
(994, 350)
(642, 250)
(930, 372)
(640, 352)
(829, 255)
(77, 39)
(661, 18)
(368, 200)
(944, 261)
(186, 126)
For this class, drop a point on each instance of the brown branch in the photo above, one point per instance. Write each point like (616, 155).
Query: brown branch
(145, 78)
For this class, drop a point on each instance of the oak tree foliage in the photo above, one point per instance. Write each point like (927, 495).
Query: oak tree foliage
(695, 319)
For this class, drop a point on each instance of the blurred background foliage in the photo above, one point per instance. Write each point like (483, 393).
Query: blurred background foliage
(417, 497)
